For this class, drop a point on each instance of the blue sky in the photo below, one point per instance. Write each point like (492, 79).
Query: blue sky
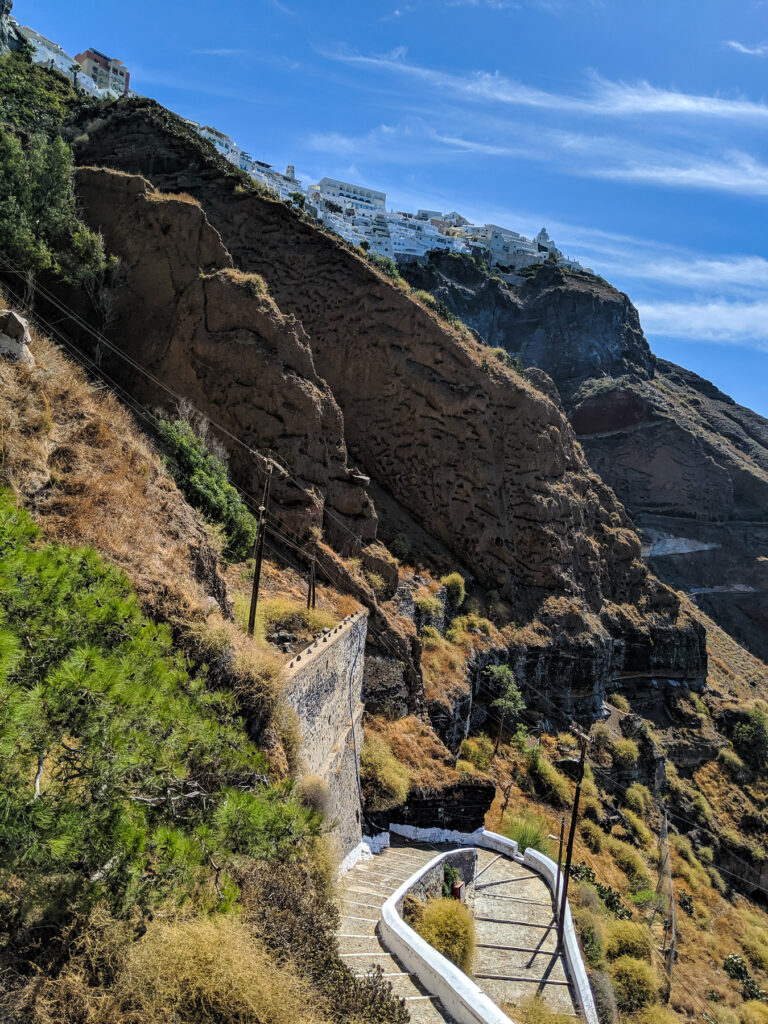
(635, 131)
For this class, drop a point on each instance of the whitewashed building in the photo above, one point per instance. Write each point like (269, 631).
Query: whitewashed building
(56, 57)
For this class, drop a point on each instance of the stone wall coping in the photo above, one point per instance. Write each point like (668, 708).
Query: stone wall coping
(309, 654)
(463, 999)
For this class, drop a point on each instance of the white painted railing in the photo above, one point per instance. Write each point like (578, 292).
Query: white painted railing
(539, 863)
(461, 997)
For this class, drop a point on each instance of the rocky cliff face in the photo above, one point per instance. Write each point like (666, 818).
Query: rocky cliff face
(480, 458)
(690, 465)
(216, 336)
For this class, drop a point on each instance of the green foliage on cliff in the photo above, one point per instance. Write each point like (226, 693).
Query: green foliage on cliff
(124, 780)
(204, 480)
(39, 226)
(750, 739)
(32, 97)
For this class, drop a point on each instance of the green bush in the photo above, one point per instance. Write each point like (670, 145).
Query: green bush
(590, 932)
(448, 927)
(32, 97)
(428, 606)
(638, 799)
(39, 226)
(384, 264)
(750, 739)
(478, 750)
(547, 781)
(456, 588)
(631, 863)
(627, 939)
(107, 745)
(635, 983)
(528, 830)
(592, 835)
(619, 701)
(204, 480)
(384, 780)
(625, 754)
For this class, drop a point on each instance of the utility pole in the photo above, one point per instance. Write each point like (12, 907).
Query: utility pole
(311, 585)
(258, 551)
(666, 886)
(571, 835)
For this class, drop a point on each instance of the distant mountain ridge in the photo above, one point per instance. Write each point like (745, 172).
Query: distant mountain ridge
(685, 459)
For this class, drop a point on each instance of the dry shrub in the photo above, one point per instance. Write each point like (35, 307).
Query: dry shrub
(313, 792)
(625, 754)
(210, 969)
(755, 946)
(384, 780)
(655, 1014)
(535, 1011)
(638, 799)
(639, 830)
(605, 997)
(635, 983)
(447, 926)
(753, 1012)
(591, 934)
(593, 836)
(627, 939)
(628, 860)
(77, 461)
(177, 197)
(417, 746)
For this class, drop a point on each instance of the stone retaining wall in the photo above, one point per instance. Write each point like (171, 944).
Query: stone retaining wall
(324, 687)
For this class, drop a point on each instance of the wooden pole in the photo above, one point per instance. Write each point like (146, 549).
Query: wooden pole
(571, 836)
(311, 584)
(258, 552)
(560, 869)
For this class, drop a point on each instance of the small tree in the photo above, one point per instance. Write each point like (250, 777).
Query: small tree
(510, 702)
(74, 70)
(750, 739)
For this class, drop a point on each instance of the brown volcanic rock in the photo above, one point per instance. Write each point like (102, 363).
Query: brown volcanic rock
(215, 336)
(690, 464)
(570, 325)
(486, 463)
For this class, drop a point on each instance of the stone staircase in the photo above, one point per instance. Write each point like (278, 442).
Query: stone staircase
(516, 936)
(516, 955)
(362, 892)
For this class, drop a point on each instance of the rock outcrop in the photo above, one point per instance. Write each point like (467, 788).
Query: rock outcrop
(690, 464)
(14, 338)
(216, 336)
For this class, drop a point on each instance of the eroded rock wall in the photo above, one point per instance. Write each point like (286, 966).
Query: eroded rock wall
(217, 337)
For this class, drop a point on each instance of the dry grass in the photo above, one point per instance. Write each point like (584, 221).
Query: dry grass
(254, 284)
(415, 745)
(176, 197)
(76, 460)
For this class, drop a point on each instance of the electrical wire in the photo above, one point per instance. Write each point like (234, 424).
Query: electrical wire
(268, 458)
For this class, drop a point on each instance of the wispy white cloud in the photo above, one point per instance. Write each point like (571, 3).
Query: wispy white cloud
(581, 154)
(761, 50)
(220, 52)
(602, 97)
(734, 323)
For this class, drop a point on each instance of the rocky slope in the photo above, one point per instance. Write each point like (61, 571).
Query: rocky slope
(475, 455)
(688, 462)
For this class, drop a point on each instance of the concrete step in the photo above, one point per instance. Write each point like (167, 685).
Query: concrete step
(360, 944)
